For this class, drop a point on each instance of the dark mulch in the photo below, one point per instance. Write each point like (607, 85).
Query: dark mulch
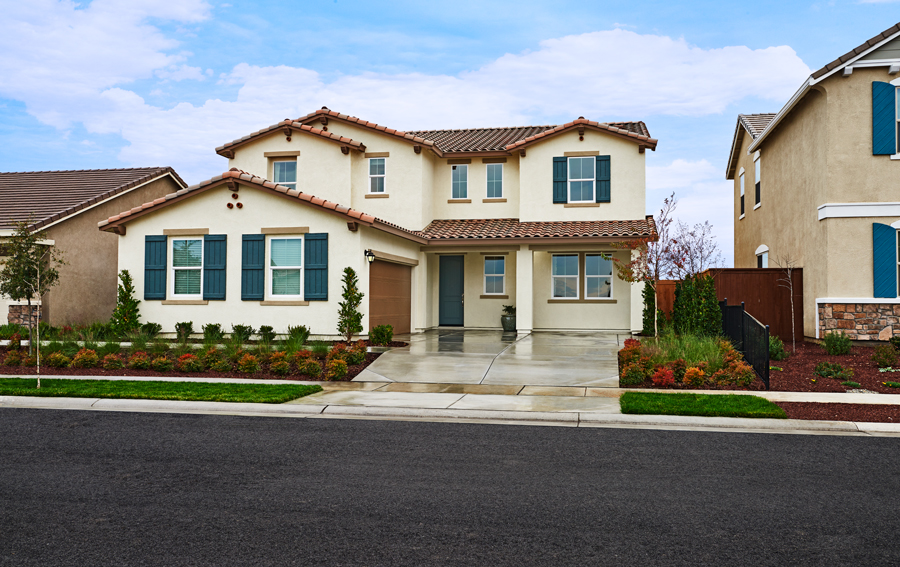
(798, 376)
(842, 412)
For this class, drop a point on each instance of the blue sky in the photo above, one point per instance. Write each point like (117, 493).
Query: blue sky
(118, 83)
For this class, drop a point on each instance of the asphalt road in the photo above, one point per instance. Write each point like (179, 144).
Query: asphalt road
(103, 488)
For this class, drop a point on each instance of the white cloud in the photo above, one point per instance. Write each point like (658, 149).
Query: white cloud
(180, 73)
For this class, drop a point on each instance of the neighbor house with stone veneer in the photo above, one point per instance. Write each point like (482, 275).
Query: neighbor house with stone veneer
(816, 183)
(443, 227)
(66, 206)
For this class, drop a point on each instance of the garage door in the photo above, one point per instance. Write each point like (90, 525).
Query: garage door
(390, 295)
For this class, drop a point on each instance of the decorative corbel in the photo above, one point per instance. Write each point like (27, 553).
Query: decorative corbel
(417, 148)
(522, 152)
(323, 120)
(228, 154)
(848, 71)
(287, 133)
(119, 229)
(352, 226)
(581, 133)
(232, 185)
(345, 150)
(641, 148)
(894, 69)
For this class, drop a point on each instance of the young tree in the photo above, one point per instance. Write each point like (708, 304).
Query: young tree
(652, 259)
(349, 317)
(30, 270)
(697, 248)
(126, 316)
(788, 265)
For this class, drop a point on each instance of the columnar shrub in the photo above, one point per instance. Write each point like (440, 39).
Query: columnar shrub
(162, 364)
(57, 360)
(85, 358)
(696, 308)
(884, 356)
(248, 364)
(837, 343)
(349, 316)
(381, 335)
(335, 369)
(111, 362)
(190, 363)
(125, 317)
(139, 361)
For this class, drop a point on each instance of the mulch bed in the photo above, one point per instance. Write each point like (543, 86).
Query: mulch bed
(841, 412)
(797, 374)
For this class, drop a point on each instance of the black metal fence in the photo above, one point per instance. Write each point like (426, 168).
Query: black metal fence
(748, 336)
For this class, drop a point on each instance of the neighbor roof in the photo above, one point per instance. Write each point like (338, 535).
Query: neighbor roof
(754, 124)
(48, 196)
(858, 50)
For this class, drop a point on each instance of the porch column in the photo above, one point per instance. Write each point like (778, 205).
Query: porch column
(524, 291)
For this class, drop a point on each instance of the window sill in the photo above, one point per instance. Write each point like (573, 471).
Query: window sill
(276, 303)
(895, 156)
(497, 200)
(185, 302)
(494, 296)
(377, 195)
(572, 205)
(459, 200)
(756, 206)
(741, 217)
(581, 301)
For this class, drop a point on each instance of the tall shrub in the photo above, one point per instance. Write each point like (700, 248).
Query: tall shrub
(349, 317)
(696, 310)
(126, 315)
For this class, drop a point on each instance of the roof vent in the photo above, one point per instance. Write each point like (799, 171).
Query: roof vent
(581, 117)
(324, 108)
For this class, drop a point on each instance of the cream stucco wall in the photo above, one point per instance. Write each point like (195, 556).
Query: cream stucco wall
(476, 191)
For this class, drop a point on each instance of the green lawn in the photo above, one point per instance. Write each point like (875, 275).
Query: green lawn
(707, 405)
(141, 390)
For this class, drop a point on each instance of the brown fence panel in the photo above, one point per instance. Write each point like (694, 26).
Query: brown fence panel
(763, 296)
(666, 292)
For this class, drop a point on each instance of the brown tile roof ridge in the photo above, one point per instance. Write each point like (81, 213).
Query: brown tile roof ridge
(581, 121)
(288, 123)
(866, 45)
(365, 123)
(508, 228)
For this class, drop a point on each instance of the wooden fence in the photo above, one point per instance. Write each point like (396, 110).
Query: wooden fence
(760, 291)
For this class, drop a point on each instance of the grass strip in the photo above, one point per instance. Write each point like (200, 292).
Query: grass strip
(706, 405)
(152, 390)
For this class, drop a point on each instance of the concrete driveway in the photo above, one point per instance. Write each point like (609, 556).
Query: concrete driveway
(492, 357)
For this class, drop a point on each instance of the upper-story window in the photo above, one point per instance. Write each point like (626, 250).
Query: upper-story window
(285, 173)
(286, 266)
(581, 179)
(762, 260)
(495, 181)
(460, 181)
(187, 265)
(376, 175)
(756, 178)
(742, 192)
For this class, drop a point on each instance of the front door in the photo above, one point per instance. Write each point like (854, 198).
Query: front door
(450, 291)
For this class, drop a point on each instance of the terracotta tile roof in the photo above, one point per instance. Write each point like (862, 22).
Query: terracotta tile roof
(294, 126)
(866, 45)
(48, 196)
(479, 139)
(511, 228)
(756, 123)
(326, 113)
(628, 130)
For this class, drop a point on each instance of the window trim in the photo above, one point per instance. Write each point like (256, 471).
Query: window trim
(610, 276)
(452, 169)
(757, 170)
(485, 275)
(741, 177)
(593, 179)
(487, 186)
(292, 185)
(383, 176)
(173, 268)
(269, 295)
(577, 276)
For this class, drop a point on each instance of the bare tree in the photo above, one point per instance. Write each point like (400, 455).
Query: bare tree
(788, 265)
(696, 250)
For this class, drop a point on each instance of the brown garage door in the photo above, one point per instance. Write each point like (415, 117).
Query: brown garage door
(390, 295)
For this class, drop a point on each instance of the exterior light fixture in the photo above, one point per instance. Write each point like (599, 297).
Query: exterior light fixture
(370, 256)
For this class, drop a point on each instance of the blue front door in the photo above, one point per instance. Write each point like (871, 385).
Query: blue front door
(450, 291)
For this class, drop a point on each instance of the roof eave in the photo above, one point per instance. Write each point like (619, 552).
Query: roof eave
(801, 92)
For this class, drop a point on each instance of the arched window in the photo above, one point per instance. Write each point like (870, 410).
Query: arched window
(762, 256)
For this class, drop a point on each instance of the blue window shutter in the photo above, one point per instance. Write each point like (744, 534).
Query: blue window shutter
(560, 180)
(884, 260)
(884, 119)
(315, 283)
(253, 267)
(155, 267)
(603, 179)
(215, 248)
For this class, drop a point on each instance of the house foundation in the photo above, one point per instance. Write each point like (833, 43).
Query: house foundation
(860, 321)
(18, 315)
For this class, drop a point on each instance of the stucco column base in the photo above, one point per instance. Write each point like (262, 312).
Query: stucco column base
(524, 291)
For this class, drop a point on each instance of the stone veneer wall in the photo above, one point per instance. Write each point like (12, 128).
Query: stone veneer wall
(18, 315)
(860, 321)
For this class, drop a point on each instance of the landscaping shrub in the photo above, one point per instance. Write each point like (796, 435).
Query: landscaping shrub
(266, 334)
(159, 347)
(86, 358)
(189, 363)
(381, 335)
(335, 369)
(837, 343)
(13, 358)
(338, 351)
(57, 360)
(109, 348)
(310, 367)
(300, 356)
(248, 364)
(833, 370)
(184, 330)
(242, 332)
(320, 349)
(139, 361)
(694, 376)
(151, 329)
(213, 333)
(630, 352)
(90, 345)
(138, 342)
(632, 375)
(278, 364)
(662, 322)
(299, 333)
(850, 384)
(10, 329)
(894, 340)
(693, 349)
(70, 348)
(30, 360)
(356, 354)
(50, 348)
(15, 341)
(221, 366)
(211, 357)
(162, 364)
(111, 362)
(696, 310)
(884, 356)
(776, 348)
(125, 318)
(663, 377)
(678, 366)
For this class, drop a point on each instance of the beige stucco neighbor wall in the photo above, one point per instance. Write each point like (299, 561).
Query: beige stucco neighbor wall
(260, 210)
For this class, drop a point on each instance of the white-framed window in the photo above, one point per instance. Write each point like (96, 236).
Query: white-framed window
(564, 276)
(597, 276)
(376, 175)
(762, 260)
(284, 172)
(459, 176)
(286, 267)
(756, 168)
(187, 268)
(494, 181)
(494, 275)
(742, 192)
(581, 179)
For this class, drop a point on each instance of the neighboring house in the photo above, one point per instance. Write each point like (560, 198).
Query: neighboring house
(67, 205)
(817, 183)
(457, 223)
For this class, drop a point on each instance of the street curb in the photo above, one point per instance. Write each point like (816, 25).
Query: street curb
(492, 415)
(723, 422)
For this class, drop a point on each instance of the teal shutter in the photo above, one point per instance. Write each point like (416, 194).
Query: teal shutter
(253, 267)
(315, 283)
(215, 247)
(884, 119)
(884, 260)
(603, 179)
(155, 267)
(560, 179)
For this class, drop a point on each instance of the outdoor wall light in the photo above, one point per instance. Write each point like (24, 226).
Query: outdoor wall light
(370, 256)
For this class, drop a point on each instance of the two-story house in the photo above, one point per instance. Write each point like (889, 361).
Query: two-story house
(814, 183)
(443, 227)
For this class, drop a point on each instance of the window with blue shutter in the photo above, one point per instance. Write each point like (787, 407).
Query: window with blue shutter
(560, 180)
(214, 255)
(603, 178)
(884, 119)
(155, 267)
(253, 267)
(884, 260)
(315, 283)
